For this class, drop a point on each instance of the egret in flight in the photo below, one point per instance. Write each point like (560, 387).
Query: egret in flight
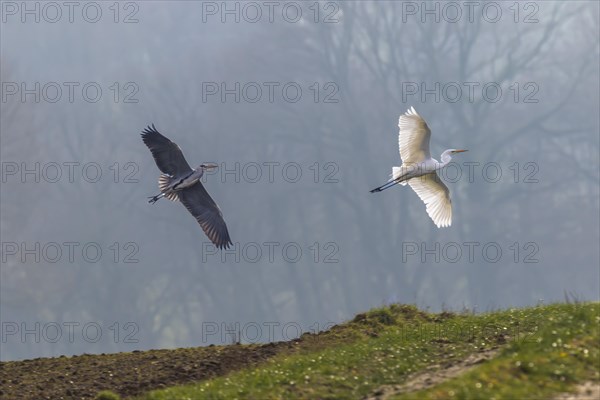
(418, 169)
(179, 181)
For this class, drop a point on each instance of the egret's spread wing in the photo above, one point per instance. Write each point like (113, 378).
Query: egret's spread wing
(168, 156)
(199, 203)
(413, 138)
(436, 197)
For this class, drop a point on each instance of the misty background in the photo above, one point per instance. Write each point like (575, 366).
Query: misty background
(158, 282)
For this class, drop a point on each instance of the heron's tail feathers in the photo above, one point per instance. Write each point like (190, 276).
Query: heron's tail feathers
(164, 183)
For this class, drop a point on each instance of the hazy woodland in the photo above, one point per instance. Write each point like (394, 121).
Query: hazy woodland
(357, 65)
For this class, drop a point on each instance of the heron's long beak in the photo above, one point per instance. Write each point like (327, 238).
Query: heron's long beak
(211, 166)
(460, 151)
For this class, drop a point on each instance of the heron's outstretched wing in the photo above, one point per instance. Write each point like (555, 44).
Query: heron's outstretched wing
(413, 138)
(436, 196)
(199, 203)
(168, 156)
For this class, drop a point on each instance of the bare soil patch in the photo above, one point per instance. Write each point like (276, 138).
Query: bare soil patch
(434, 375)
(585, 391)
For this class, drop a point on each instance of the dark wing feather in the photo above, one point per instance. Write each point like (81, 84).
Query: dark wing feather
(199, 203)
(168, 156)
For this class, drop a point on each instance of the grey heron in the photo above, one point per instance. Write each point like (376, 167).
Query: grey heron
(179, 181)
(418, 169)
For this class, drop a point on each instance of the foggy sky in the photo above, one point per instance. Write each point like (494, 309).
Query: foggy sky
(300, 111)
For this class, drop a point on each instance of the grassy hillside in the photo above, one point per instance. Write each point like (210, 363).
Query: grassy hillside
(395, 352)
(399, 352)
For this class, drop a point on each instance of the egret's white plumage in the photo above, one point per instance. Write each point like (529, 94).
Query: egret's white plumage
(413, 139)
(418, 169)
(436, 196)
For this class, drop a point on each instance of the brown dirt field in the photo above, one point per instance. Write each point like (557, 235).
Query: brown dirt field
(131, 374)
(128, 374)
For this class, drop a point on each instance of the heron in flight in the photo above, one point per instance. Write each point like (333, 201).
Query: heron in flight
(179, 181)
(418, 169)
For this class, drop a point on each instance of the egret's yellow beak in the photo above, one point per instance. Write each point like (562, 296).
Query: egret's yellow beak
(459, 151)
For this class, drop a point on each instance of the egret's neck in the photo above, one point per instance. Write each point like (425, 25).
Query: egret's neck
(446, 158)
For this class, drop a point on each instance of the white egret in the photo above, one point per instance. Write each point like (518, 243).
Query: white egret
(418, 169)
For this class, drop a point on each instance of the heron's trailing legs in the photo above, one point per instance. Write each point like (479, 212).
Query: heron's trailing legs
(154, 199)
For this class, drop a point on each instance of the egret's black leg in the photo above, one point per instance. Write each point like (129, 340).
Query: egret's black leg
(385, 186)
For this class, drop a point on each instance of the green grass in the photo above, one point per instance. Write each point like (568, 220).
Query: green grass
(542, 351)
(107, 395)
(564, 352)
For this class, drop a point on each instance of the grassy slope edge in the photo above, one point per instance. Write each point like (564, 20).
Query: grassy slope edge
(543, 351)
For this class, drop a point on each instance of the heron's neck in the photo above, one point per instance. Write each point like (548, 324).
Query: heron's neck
(197, 173)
